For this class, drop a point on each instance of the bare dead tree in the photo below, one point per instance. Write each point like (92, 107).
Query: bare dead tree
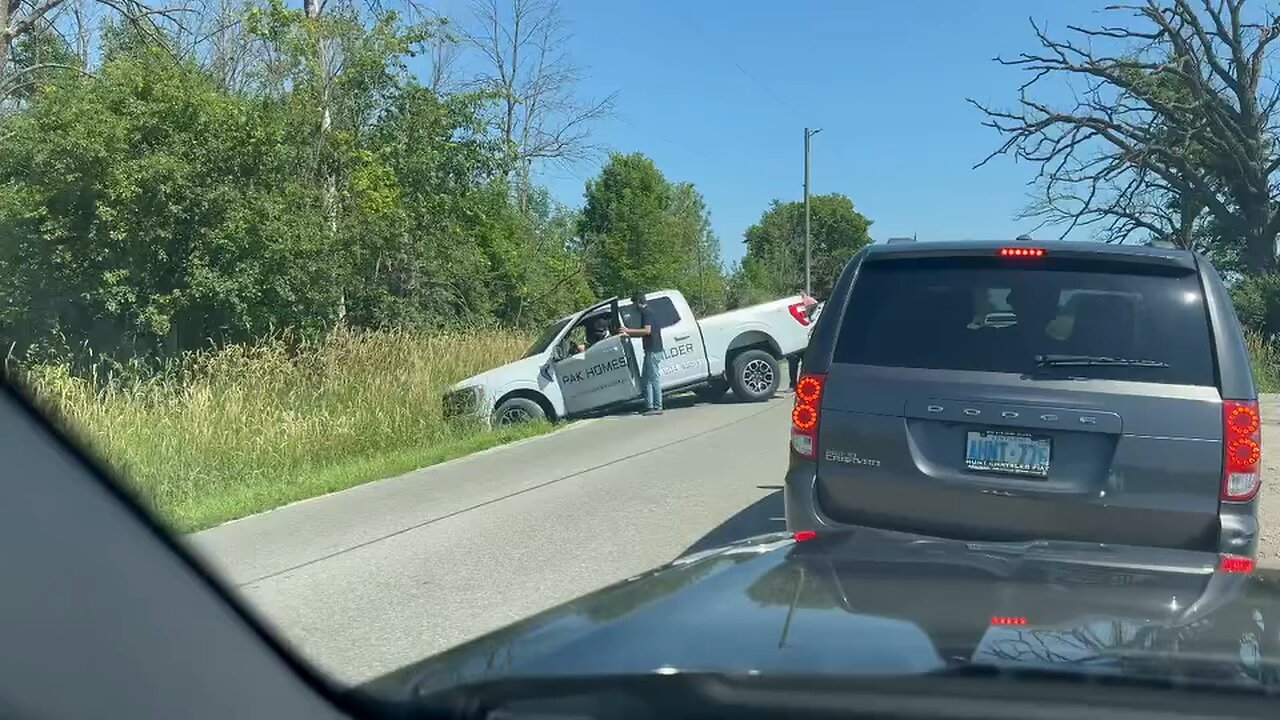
(229, 49)
(22, 18)
(445, 51)
(1173, 120)
(539, 117)
(326, 63)
(1134, 204)
(82, 27)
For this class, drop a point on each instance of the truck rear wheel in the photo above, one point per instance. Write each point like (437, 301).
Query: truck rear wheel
(517, 410)
(754, 376)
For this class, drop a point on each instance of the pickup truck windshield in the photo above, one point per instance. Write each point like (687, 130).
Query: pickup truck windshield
(546, 338)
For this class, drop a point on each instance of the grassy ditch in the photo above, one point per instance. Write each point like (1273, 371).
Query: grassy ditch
(230, 432)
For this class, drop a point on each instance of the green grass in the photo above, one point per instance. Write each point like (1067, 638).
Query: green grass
(227, 433)
(1265, 356)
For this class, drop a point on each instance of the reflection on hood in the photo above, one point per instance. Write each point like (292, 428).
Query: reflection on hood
(865, 603)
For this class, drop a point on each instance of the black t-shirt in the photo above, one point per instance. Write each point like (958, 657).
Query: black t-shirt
(653, 341)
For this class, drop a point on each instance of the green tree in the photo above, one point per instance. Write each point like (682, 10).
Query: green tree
(147, 210)
(701, 275)
(625, 225)
(144, 211)
(27, 57)
(774, 262)
(150, 205)
(752, 282)
(641, 232)
(420, 221)
(552, 273)
(36, 58)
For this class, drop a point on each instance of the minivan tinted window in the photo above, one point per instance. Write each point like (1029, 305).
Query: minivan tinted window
(998, 314)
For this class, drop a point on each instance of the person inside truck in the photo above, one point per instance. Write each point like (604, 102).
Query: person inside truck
(597, 330)
(587, 333)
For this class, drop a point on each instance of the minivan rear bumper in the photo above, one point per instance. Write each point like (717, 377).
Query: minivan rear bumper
(1238, 534)
(800, 499)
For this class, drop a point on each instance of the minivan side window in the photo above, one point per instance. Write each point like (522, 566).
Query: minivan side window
(986, 314)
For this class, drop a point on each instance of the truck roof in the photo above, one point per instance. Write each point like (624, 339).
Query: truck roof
(624, 300)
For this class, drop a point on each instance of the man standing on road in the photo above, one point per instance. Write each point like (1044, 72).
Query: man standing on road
(651, 336)
(793, 361)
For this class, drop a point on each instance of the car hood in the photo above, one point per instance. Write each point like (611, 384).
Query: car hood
(524, 368)
(875, 603)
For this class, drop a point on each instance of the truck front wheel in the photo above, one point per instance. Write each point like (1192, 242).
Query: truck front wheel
(755, 376)
(517, 410)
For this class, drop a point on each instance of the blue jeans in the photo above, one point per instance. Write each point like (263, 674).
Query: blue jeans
(651, 380)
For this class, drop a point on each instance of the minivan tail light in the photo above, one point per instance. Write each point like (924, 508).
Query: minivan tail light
(805, 414)
(1241, 450)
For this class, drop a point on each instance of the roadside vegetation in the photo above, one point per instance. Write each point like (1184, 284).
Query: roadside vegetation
(1257, 302)
(1266, 362)
(360, 183)
(221, 434)
(177, 185)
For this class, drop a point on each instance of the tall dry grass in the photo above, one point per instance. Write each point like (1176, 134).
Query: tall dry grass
(1265, 356)
(229, 432)
(225, 433)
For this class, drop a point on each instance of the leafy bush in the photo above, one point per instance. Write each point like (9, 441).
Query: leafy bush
(1257, 302)
(1265, 358)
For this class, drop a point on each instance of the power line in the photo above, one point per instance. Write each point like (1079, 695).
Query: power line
(838, 148)
(764, 87)
(725, 56)
(661, 138)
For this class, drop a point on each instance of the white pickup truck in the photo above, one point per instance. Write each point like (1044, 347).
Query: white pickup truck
(562, 375)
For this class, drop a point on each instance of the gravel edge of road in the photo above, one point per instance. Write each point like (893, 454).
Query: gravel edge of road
(1269, 495)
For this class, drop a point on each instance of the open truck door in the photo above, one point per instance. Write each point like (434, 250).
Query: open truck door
(605, 373)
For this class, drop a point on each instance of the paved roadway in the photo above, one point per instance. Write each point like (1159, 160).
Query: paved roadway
(371, 578)
(374, 577)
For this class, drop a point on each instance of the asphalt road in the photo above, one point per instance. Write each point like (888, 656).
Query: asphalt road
(371, 578)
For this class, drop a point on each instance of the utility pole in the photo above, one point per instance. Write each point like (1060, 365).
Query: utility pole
(702, 286)
(808, 260)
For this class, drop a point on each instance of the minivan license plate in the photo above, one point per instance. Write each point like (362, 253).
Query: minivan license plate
(1007, 453)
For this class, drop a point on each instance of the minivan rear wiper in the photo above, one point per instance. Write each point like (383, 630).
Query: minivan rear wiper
(1062, 360)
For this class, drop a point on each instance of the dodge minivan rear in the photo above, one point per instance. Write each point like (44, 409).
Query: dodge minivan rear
(1066, 391)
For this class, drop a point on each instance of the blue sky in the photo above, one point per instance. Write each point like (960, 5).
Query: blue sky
(718, 92)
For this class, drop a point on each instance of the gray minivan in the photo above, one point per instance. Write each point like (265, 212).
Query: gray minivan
(1029, 391)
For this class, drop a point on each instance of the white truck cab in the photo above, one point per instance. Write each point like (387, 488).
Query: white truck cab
(563, 374)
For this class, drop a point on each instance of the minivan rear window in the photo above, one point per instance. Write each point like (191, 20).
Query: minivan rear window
(998, 314)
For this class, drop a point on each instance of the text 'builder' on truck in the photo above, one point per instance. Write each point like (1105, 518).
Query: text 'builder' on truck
(563, 375)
